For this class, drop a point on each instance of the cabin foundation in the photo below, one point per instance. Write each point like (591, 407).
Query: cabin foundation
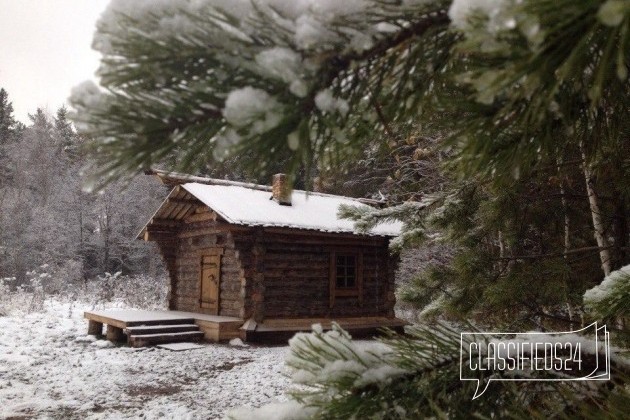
(115, 334)
(95, 328)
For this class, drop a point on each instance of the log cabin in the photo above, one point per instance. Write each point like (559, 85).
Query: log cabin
(278, 260)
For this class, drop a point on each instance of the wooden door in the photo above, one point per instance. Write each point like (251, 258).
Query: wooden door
(210, 283)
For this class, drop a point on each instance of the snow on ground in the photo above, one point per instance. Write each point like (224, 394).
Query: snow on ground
(49, 368)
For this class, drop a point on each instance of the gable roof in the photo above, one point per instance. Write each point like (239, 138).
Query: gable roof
(249, 207)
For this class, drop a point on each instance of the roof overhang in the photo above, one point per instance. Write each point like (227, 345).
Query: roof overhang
(178, 205)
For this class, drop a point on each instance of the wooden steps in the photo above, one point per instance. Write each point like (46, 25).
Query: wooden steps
(143, 340)
(147, 335)
(160, 322)
(161, 329)
(147, 327)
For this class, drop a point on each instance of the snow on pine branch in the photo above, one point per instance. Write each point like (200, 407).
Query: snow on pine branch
(611, 298)
(368, 217)
(231, 74)
(168, 68)
(332, 357)
(311, 24)
(462, 11)
(252, 106)
(329, 361)
(410, 213)
(326, 102)
(413, 376)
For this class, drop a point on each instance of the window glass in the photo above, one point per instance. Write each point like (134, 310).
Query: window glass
(346, 271)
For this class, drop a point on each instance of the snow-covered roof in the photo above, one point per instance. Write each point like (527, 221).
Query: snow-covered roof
(313, 211)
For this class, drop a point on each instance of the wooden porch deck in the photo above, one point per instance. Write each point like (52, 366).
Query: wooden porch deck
(141, 328)
(158, 326)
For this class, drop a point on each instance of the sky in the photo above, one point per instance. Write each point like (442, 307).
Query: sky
(45, 51)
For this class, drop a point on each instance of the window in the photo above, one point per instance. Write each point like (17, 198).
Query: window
(346, 266)
(346, 276)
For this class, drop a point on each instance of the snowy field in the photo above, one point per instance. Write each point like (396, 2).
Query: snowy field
(49, 368)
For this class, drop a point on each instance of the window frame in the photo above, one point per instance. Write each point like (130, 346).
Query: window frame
(357, 289)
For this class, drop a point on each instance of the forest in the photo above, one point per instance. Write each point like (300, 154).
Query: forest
(497, 132)
(54, 233)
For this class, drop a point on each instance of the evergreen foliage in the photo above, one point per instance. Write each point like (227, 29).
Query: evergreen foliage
(9, 130)
(171, 91)
(419, 377)
(610, 301)
(7, 122)
(64, 128)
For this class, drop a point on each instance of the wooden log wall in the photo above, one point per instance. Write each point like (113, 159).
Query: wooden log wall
(251, 251)
(276, 273)
(297, 283)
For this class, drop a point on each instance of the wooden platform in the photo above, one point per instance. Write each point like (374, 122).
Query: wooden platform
(281, 330)
(140, 328)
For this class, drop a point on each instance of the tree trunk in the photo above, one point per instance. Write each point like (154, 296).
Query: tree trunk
(621, 232)
(598, 224)
(567, 237)
(501, 245)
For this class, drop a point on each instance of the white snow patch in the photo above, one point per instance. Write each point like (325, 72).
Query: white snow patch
(310, 32)
(103, 344)
(87, 94)
(237, 342)
(180, 346)
(85, 339)
(326, 102)
(45, 372)
(461, 10)
(289, 410)
(252, 106)
(614, 283)
(361, 41)
(299, 88)
(380, 375)
(291, 9)
(331, 9)
(283, 63)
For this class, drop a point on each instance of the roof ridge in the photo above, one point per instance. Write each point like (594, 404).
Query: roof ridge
(178, 178)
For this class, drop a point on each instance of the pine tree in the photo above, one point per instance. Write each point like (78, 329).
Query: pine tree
(7, 122)
(64, 128)
(40, 122)
(8, 132)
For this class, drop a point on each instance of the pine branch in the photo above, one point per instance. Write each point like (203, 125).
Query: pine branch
(587, 249)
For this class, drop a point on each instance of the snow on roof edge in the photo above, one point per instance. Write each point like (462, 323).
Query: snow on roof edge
(380, 230)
